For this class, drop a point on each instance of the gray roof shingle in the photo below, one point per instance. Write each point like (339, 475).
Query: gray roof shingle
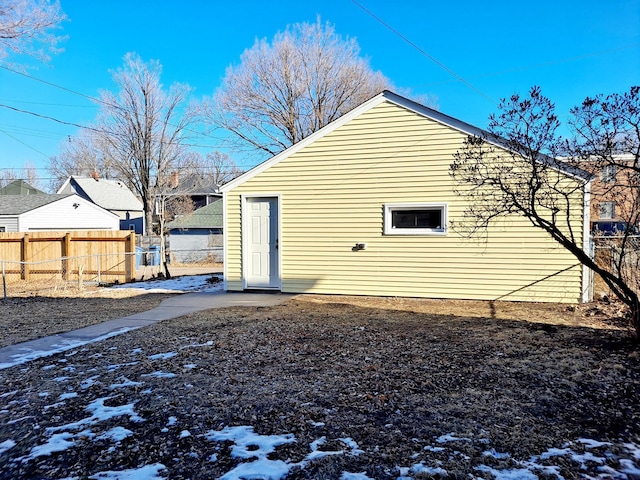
(19, 204)
(108, 194)
(209, 216)
(19, 187)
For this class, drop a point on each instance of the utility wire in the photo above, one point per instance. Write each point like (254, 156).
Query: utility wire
(18, 72)
(25, 144)
(97, 130)
(423, 52)
(89, 97)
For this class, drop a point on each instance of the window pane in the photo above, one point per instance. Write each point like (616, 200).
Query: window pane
(416, 218)
(607, 210)
(608, 174)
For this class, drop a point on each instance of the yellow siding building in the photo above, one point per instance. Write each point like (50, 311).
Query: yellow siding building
(364, 207)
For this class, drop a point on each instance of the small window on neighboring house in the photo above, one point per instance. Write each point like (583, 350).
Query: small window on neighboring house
(608, 174)
(415, 219)
(607, 210)
(3, 229)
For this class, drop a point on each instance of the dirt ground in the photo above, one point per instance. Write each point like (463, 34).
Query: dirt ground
(30, 315)
(394, 375)
(37, 310)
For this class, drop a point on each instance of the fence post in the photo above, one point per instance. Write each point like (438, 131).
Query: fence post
(99, 265)
(66, 253)
(130, 257)
(4, 281)
(24, 257)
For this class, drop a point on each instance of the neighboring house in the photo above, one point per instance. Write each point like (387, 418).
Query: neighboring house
(614, 196)
(199, 189)
(364, 207)
(112, 195)
(28, 213)
(19, 187)
(197, 237)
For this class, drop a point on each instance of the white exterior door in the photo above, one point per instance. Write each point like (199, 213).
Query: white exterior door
(261, 237)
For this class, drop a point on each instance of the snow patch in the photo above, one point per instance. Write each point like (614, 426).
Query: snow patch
(187, 283)
(147, 472)
(6, 445)
(163, 356)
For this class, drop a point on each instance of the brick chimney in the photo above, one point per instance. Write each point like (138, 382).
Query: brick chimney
(95, 176)
(175, 179)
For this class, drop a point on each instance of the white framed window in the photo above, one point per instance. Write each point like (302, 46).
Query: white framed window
(608, 174)
(608, 210)
(415, 219)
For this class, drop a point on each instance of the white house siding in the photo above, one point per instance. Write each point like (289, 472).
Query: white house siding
(196, 245)
(62, 215)
(333, 192)
(10, 223)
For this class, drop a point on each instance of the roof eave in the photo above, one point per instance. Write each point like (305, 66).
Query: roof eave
(387, 95)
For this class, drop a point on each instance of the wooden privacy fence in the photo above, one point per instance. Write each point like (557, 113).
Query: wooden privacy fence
(68, 255)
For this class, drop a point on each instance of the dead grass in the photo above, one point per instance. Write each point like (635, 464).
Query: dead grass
(28, 317)
(393, 374)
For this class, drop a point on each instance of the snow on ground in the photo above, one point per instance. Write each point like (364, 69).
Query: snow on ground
(187, 283)
(254, 452)
(63, 345)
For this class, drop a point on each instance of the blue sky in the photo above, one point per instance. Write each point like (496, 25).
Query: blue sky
(571, 49)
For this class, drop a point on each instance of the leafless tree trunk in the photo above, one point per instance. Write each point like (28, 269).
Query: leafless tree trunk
(540, 176)
(27, 28)
(286, 89)
(139, 134)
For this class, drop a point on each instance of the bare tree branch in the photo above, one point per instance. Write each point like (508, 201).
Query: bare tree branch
(286, 89)
(523, 176)
(27, 28)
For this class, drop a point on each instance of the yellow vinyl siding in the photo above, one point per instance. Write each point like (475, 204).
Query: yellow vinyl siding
(333, 193)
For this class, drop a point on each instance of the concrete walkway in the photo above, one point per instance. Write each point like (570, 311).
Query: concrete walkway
(172, 307)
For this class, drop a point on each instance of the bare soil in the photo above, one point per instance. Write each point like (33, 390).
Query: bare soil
(30, 317)
(393, 374)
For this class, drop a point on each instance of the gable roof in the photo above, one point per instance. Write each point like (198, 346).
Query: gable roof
(209, 216)
(19, 204)
(387, 96)
(191, 184)
(19, 187)
(108, 194)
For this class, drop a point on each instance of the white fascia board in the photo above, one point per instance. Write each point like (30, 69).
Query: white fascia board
(409, 105)
(64, 185)
(469, 129)
(304, 142)
(225, 249)
(587, 291)
(75, 198)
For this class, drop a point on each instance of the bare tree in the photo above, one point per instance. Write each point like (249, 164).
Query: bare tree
(141, 130)
(82, 155)
(286, 89)
(27, 28)
(220, 168)
(516, 170)
(28, 173)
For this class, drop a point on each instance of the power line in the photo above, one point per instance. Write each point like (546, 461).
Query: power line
(423, 52)
(17, 72)
(46, 104)
(102, 131)
(542, 64)
(47, 117)
(23, 143)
